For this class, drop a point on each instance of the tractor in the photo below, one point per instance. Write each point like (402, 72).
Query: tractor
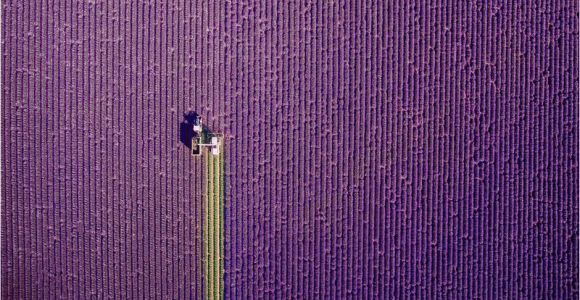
(203, 139)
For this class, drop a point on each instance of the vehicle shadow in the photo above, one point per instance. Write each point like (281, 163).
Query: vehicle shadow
(186, 132)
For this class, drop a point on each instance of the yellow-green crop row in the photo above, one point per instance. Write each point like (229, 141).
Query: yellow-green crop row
(213, 227)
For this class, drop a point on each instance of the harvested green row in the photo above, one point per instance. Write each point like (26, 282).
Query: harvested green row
(213, 227)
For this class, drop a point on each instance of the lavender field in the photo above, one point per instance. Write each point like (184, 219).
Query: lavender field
(374, 149)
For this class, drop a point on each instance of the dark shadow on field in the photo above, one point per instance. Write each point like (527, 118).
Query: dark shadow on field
(186, 128)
